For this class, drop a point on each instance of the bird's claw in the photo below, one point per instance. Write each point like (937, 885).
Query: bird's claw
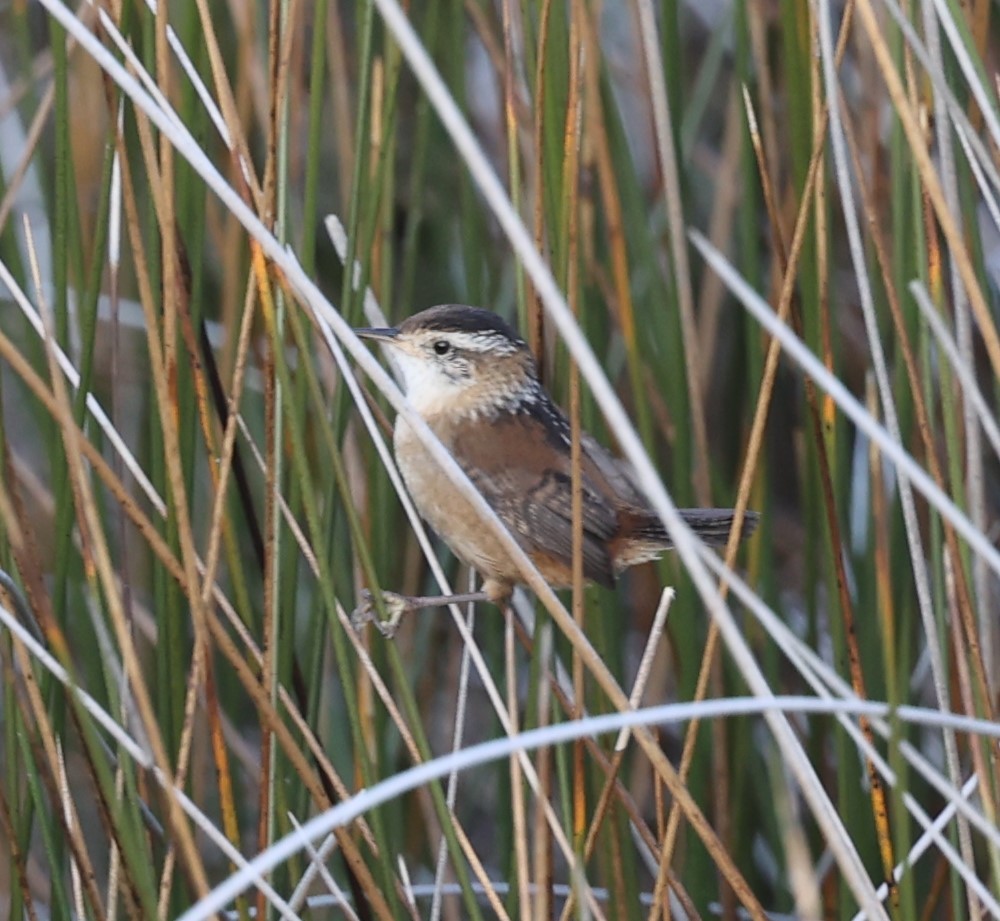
(368, 612)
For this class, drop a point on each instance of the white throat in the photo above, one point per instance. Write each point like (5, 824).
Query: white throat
(426, 386)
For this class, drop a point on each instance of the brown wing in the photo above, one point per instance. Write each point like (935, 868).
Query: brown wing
(528, 484)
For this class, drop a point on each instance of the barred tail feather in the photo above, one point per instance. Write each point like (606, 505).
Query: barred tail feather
(712, 525)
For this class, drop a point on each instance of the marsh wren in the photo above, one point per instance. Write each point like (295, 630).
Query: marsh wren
(475, 383)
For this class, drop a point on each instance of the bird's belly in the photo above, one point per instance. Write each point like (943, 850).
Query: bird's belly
(451, 516)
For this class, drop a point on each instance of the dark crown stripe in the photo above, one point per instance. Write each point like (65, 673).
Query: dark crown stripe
(457, 318)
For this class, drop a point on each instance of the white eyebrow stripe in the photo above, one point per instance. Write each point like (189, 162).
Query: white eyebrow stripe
(476, 342)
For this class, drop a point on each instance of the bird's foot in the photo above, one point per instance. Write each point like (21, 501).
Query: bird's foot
(398, 605)
(367, 612)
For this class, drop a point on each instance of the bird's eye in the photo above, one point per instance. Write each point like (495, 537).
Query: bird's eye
(442, 346)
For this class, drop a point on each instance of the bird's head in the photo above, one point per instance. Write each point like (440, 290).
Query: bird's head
(459, 360)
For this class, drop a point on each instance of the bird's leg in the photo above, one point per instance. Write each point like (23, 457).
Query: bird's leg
(398, 605)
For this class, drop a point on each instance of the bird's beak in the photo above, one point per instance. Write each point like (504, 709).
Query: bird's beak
(380, 335)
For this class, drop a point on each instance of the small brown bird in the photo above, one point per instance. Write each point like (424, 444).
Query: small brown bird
(475, 382)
